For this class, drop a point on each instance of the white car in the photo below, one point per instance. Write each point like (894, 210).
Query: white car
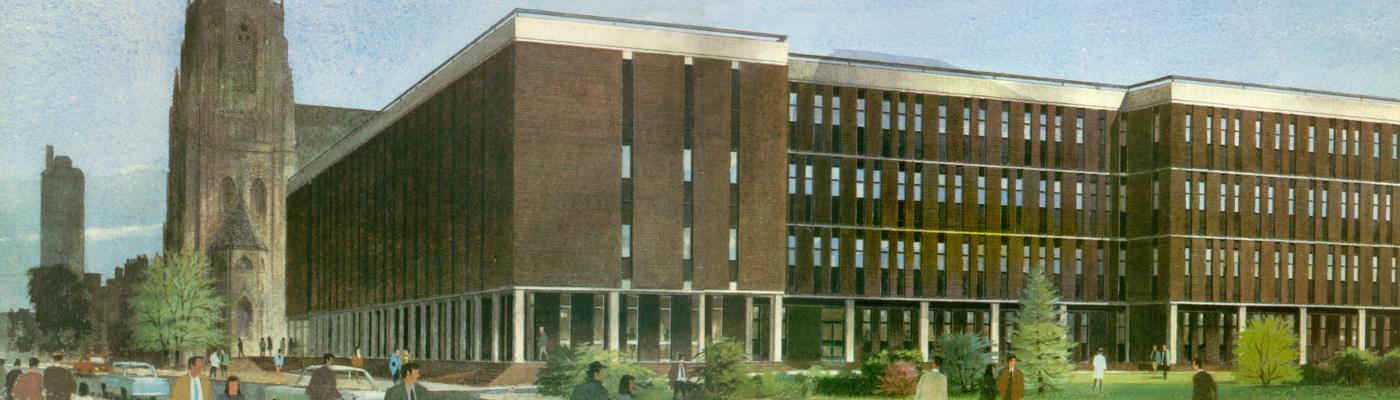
(354, 384)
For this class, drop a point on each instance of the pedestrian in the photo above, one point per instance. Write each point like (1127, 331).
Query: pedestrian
(358, 361)
(10, 379)
(625, 387)
(282, 345)
(84, 393)
(262, 348)
(394, 363)
(279, 361)
(30, 385)
(1100, 365)
(240, 346)
(678, 378)
(932, 385)
(1202, 385)
(322, 386)
(232, 389)
(214, 363)
(192, 385)
(409, 389)
(58, 381)
(1161, 359)
(988, 384)
(223, 361)
(1153, 358)
(592, 386)
(542, 345)
(1011, 385)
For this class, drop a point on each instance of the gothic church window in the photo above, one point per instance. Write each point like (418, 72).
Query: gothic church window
(257, 196)
(244, 59)
(230, 194)
(244, 264)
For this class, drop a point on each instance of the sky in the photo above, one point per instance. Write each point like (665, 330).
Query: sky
(93, 77)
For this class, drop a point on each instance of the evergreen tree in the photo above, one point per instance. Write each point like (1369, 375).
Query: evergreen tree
(1266, 352)
(176, 308)
(724, 374)
(965, 355)
(1040, 341)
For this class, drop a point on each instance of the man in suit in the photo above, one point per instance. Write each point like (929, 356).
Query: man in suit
(932, 385)
(1161, 360)
(1011, 385)
(678, 378)
(592, 386)
(409, 389)
(322, 386)
(1202, 385)
(58, 381)
(192, 385)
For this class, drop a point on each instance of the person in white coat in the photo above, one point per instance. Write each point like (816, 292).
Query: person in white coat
(932, 385)
(1100, 365)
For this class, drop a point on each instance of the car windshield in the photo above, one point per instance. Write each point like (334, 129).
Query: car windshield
(134, 369)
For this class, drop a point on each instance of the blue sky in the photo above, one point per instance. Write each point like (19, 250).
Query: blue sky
(93, 77)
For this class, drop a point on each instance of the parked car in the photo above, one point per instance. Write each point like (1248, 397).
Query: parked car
(354, 384)
(131, 379)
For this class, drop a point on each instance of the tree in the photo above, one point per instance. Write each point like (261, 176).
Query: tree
(175, 306)
(1040, 341)
(61, 303)
(965, 355)
(569, 365)
(1266, 353)
(724, 373)
(22, 330)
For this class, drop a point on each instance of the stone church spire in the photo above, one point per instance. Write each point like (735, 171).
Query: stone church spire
(231, 149)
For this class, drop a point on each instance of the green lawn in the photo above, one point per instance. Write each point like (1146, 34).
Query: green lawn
(1141, 385)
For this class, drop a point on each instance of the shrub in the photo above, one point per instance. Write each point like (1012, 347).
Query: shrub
(1352, 365)
(1318, 375)
(569, 366)
(844, 384)
(900, 379)
(1387, 371)
(965, 356)
(724, 373)
(1266, 352)
(874, 366)
(773, 385)
(810, 378)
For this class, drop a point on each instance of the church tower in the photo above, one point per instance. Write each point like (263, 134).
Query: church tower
(231, 151)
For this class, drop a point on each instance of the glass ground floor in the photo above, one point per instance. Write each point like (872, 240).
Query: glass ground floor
(533, 324)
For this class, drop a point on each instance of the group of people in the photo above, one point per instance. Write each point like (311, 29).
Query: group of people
(54, 382)
(397, 361)
(218, 363)
(268, 347)
(592, 386)
(1010, 384)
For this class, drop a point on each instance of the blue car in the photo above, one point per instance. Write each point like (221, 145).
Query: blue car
(130, 379)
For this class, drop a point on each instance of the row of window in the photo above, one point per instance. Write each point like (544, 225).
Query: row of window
(1220, 130)
(1220, 259)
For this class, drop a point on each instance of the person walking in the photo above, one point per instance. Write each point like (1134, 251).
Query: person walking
(214, 363)
(240, 346)
(989, 383)
(625, 387)
(1202, 385)
(223, 362)
(409, 389)
(678, 378)
(542, 345)
(1011, 385)
(1100, 365)
(10, 379)
(192, 385)
(279, 361)
(358, 361)
(232, 389)
(58, 381)
(932, 385)
(1161, 359)
(29, 385)
(322, 386)
(262, 348)
(394, 363)
(592, 387)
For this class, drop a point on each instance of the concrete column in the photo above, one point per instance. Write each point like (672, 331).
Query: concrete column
(1361, 328)
(700, 326)
(1242, 319)
(748, 328)
(434, 336)
(614, 318)
(850, 346)
(923, 330)
(476, 328)
(411, 339)
(463, 344)
(517, 350)
(1064, 315)
(495, 326)
(1171, 335)
(777, 328)
(1127, 339)
(1302, 335)
(996, 327)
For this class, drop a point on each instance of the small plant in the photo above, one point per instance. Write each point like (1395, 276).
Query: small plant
(899, 379)
(1352, 365)
(844, 384)
(874, 366)
(965, 356)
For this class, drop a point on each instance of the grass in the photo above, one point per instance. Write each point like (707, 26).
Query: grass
(1142, 385)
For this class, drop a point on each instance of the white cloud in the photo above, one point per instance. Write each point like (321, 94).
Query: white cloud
(100, 234)
(137, 167)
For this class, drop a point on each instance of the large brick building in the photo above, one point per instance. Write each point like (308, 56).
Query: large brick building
(646, 187)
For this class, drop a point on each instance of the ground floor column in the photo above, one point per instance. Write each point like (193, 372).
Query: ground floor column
(1302, 335)
(701, 327)
(1064, 315)
(748, 327)
(495, 326)
(1171, 334)
(996, 328)
(1243, 319)
(850, 340)
(476, 328)
(517, 341)
(613, 320)
(435, 333)
(1361, 328)
(777, 326)
(923, 330)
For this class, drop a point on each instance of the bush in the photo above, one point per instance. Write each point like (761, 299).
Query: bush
(810, 378)
(874, 366)
(1352, 365)
(569, 366)
(1387, 371)
(900, 379)
(724, 373)
(844, 384)
(1266, 352)
(1318, 375)
(965, 356)
(773, 385)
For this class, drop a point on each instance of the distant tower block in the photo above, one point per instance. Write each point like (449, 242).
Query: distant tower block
(61, 213)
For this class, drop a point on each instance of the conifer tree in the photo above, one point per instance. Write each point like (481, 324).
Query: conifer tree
(1040, 341)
